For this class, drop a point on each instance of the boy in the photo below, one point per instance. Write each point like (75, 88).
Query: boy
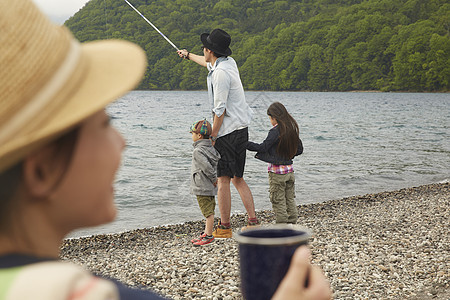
(204, 177)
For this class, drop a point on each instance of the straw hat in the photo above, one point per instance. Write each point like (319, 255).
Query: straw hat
(49, 82)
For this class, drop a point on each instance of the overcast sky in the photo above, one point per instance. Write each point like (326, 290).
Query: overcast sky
(60, 10)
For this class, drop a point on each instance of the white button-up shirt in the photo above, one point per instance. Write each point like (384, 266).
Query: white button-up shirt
(226, 94)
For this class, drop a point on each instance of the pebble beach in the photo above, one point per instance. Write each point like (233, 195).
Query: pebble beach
(389, 245)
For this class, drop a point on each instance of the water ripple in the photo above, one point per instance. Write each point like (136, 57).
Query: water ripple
(355, 143)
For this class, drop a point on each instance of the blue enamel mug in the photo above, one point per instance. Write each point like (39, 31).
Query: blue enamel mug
(265, 254)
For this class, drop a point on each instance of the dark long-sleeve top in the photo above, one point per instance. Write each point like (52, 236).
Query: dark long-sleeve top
(267, 150)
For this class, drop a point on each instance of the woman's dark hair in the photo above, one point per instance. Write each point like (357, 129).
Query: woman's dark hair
(9, 182)
(10, 179)
(288, 127)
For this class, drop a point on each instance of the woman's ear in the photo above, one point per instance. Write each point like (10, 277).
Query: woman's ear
(41, 172)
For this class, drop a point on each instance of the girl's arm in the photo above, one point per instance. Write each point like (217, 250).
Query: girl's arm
(270, 140)
(299, 148)
(191, 56)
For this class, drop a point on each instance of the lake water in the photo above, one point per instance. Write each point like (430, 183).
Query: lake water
(355, 143)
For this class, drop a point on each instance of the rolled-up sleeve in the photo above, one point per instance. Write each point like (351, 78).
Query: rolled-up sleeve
(221, 88)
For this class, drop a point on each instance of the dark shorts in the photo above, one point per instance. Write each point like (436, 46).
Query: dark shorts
(232, 149)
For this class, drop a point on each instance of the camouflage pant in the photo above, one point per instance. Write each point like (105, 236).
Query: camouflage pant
(207, 205)
(282, 197)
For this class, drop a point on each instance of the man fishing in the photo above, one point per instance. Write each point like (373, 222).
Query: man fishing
(231, 117)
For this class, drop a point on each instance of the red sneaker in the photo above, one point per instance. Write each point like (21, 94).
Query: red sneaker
(204, 241)
(202, 235)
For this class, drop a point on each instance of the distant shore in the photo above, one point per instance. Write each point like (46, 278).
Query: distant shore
(389, 245)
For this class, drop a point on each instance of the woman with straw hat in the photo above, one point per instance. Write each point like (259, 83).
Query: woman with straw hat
(59, 154)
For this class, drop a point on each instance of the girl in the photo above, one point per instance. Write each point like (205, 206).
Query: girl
(278, 149)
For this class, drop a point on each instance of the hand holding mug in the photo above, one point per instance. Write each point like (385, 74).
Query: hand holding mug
(303, 280)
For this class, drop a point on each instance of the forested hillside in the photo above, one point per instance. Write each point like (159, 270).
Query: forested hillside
(319, 45)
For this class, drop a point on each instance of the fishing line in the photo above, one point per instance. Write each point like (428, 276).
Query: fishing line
(154, 27)
(106, 20)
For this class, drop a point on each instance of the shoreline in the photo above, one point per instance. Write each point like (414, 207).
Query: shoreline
(306, 91)
(388, 245)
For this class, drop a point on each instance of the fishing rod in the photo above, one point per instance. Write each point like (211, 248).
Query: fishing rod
(170, 42)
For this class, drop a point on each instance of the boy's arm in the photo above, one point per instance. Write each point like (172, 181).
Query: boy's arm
(203, 164)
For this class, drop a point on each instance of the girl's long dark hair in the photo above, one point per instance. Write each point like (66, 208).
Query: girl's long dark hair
(289, 132)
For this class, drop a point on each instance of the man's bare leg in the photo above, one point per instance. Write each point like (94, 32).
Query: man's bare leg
(246, 195)
(224, 199)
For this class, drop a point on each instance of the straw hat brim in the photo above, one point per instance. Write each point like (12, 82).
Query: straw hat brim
(114, 68)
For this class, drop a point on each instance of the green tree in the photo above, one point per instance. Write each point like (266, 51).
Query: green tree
(287, 44)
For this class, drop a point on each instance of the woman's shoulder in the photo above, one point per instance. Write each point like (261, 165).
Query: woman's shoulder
(46, 273)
